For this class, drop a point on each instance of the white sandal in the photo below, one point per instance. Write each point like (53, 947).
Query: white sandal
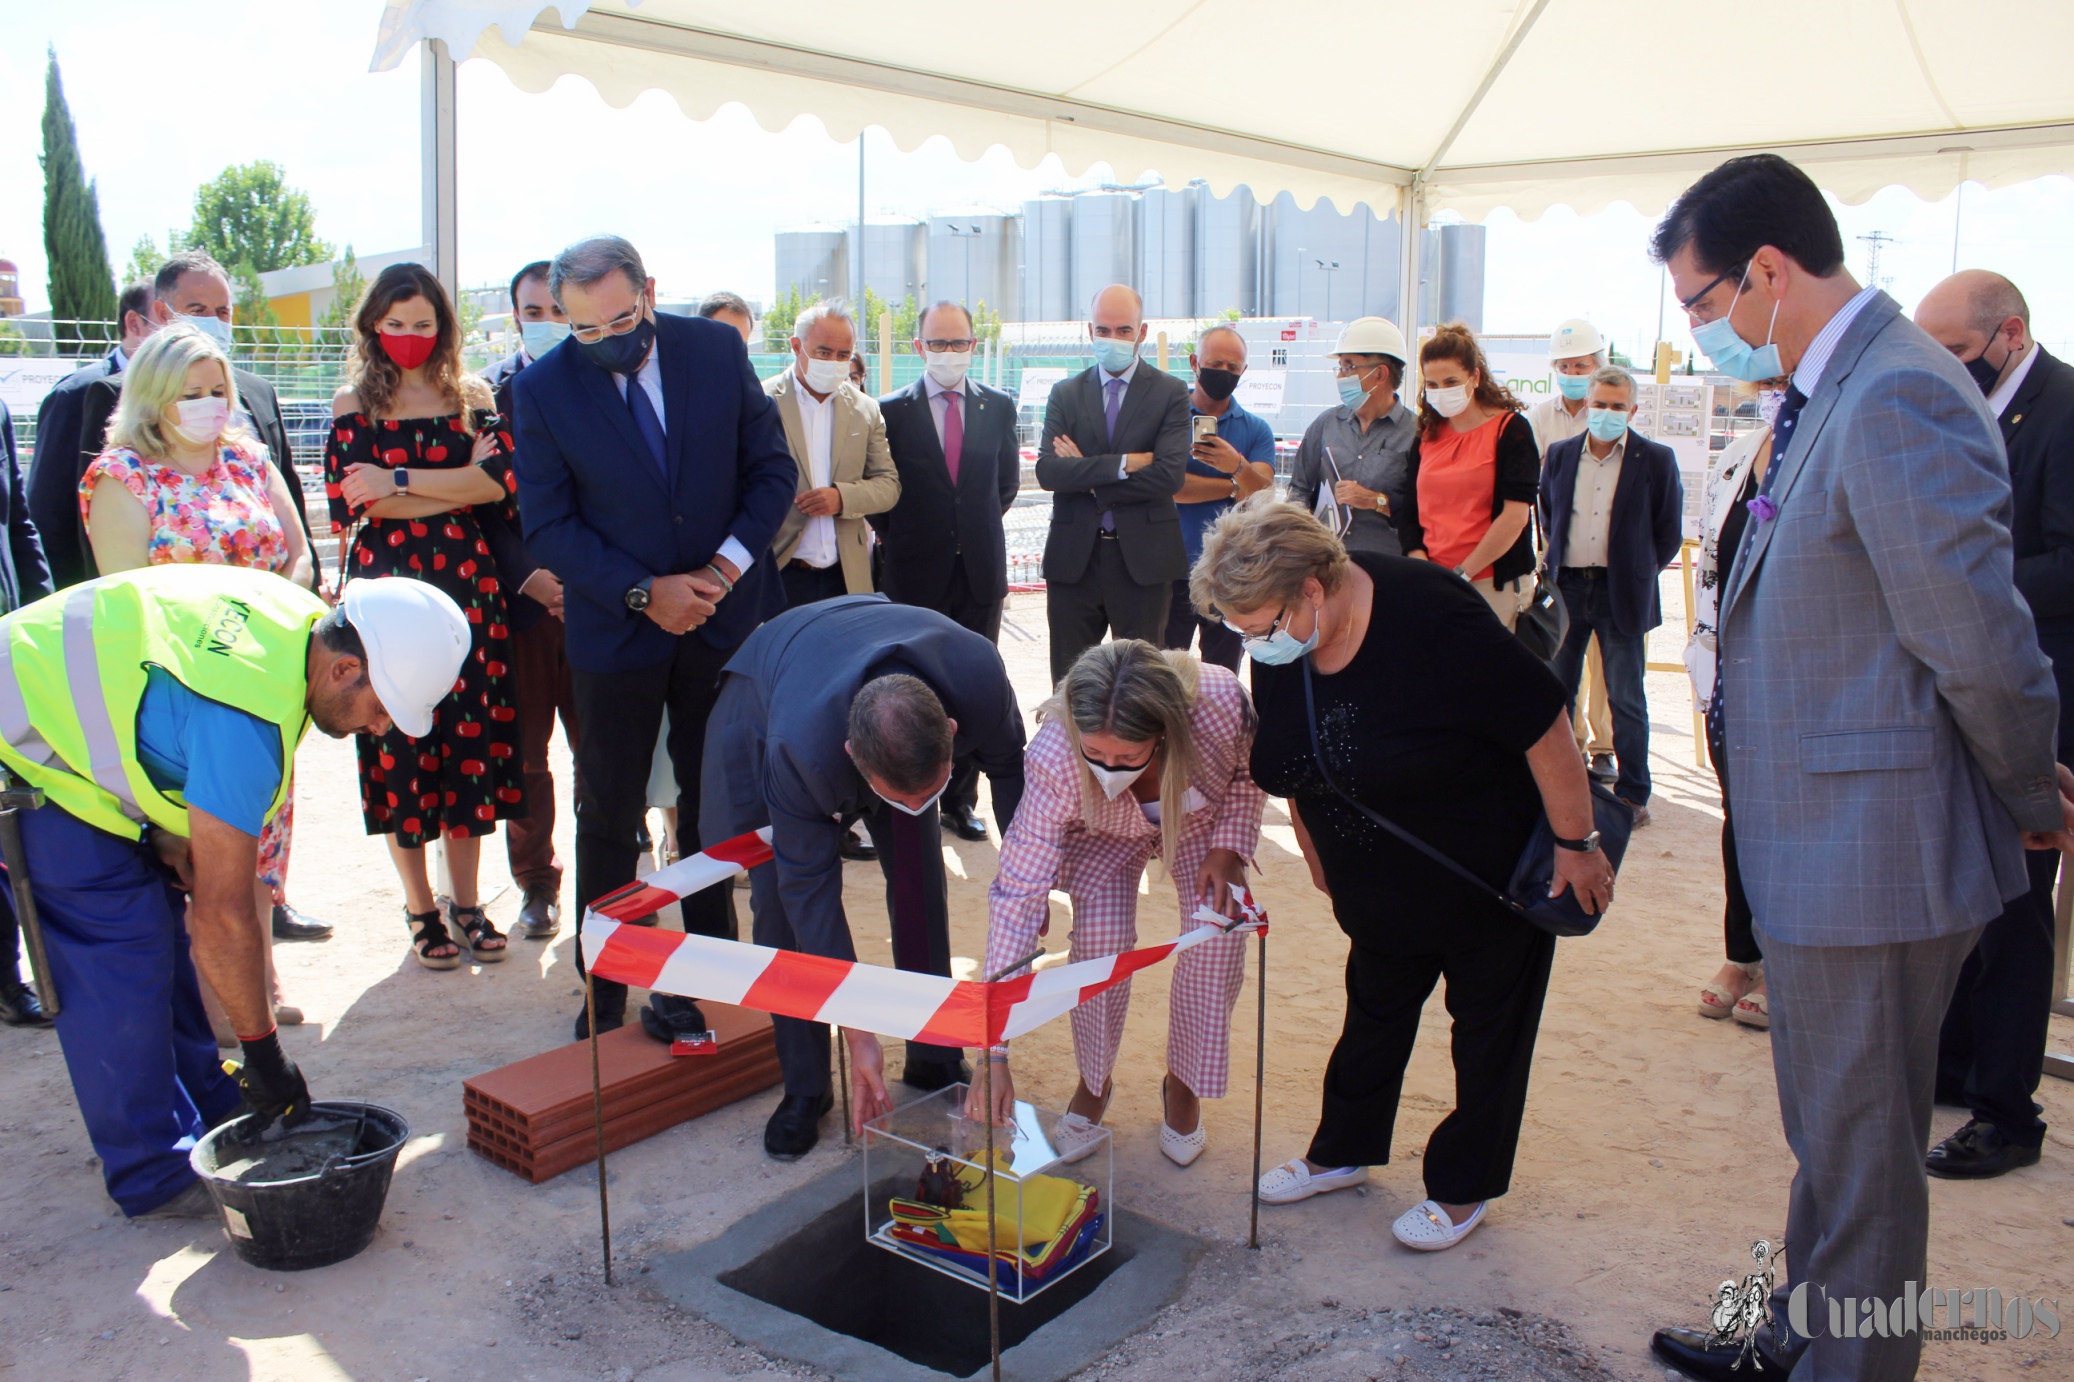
(1426, 1227)
(1181, 1148)
(1294, 1180)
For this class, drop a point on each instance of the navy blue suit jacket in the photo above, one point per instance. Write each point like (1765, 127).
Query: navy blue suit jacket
(55, 470)
(1643, 537)
(23, 574)
(601, 516)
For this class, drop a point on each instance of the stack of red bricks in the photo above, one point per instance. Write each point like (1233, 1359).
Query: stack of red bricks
(536, 1117)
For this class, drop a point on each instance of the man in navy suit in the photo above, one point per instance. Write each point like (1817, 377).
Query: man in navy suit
(55, 468)
(845, 707)
(1115, 452)
(652, 475)
(953, 442)
(1613, 506)
(23, 577)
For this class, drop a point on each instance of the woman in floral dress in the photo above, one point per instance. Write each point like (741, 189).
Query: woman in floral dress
(183, 480)
(415, 452)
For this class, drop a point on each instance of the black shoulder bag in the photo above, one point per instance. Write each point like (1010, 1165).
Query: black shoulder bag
(1526, 895)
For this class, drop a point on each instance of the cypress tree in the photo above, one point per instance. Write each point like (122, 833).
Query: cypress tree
(82, 286)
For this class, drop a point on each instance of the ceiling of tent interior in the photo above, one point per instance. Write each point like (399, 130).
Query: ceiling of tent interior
(1523, 104)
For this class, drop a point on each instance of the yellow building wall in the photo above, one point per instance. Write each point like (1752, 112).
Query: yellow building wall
(292, 309)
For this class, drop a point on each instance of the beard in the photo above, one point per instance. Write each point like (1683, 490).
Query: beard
(334, 712)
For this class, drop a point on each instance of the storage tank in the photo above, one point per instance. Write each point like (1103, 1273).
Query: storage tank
(1046, 266)
(1227, 253)
(1452, 274)
(1327, 265)
(972, 259)
(815, 260)
(1104, 246)
(1166, 252)
(896, 260)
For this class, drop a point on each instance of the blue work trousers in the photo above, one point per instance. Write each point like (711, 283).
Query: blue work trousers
(1590, 602)
(143, 1061)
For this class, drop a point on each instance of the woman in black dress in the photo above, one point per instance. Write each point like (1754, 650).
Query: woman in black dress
(1432, 715)
(416, 452)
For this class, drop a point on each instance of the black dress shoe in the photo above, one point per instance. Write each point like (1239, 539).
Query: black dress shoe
(19, 1006)
(667, 1017)
(607, 1022)
(796, 1126)
(856, 850)
(291, 925)
(965, 824)
(1701, 1359)
(540, 915)
(930, 1076)
(1977, 1151)
(1602, 768)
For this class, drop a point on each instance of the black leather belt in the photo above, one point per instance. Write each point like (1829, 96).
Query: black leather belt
(1590, 573)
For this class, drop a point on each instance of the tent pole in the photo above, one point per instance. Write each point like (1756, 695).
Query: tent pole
(993, 1248)
(1411, 229)
(437, 199)
(590, 1012)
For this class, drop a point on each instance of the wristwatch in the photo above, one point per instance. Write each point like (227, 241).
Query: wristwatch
(1382, 503)
(1588, 845)
(637, 598)
(402, 479)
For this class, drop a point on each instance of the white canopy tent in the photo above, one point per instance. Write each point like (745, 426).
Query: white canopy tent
(1404, 104)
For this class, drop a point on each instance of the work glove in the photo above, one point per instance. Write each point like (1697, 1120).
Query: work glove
(272, 1086)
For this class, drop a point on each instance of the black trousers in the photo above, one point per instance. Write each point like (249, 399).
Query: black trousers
(1219, 644)
(806, 584)
(1494, 994)
(1991, 1048)
(1738, 937)
(621, 714)
(982, 617)
(1105, 600)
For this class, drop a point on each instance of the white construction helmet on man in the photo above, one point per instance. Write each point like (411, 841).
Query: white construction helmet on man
(416, 639)
(1372, 336)
(1574, 338)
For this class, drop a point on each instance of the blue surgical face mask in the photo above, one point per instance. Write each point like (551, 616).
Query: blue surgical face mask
(1350, 391)
(1279, 646)
(542, 336)
(1733, 356)
(212, 326)
(1605, 424)
(1115, 356)
(1573, 385)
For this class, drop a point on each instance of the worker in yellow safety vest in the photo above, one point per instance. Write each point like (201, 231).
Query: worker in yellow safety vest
(158, 711)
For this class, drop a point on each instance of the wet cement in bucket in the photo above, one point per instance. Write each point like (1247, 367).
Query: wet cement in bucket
(294, 1156)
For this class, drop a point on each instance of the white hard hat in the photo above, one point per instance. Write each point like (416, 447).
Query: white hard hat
(1573, 338)
(1371, 336)
(416, 639)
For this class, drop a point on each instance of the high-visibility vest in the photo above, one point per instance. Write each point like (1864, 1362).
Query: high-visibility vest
(74, 665)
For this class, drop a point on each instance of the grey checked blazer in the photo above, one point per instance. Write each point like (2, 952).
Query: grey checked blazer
(1888, 716)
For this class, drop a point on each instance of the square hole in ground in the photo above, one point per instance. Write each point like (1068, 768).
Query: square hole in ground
(828, 1273)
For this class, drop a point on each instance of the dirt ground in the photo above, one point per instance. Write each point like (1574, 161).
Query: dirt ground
(1651, 1159)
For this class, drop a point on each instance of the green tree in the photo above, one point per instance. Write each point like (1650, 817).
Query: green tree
(250, 215)
(82, 286)
(777, 321)
(350, 285)
(13, 342)
(986, 322)
(1232, 314)
(251, 309)
(144, 260)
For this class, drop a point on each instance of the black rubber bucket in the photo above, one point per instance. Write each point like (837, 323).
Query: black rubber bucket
(310, 1199)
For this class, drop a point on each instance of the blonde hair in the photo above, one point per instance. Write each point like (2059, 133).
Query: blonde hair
(1259, 553)
(154, 378)
(1140, 694)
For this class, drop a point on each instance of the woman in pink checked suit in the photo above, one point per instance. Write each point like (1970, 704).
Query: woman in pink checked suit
(1141, 754)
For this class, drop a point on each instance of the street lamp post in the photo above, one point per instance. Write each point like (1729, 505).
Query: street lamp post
(1330, 267)
(967, 234)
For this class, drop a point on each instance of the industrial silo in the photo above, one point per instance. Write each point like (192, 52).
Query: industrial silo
(1104, 239)
(896, 260)
(1227, 253)
(972, 259)
(815, 260)
(1166, 251)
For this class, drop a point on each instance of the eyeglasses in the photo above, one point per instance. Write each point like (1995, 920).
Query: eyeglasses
(1259, 637)
(938, 347)
(1691, 304)
(1348, 370)
(618, 326)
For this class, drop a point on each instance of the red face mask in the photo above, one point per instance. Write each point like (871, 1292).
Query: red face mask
(408, 351)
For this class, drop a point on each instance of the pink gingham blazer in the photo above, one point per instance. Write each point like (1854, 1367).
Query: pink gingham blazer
(1051, 841)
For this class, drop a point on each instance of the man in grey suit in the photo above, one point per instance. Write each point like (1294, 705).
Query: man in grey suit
(1889, 722)
(1115, 453)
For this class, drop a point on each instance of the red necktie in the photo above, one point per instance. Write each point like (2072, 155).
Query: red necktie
(953, 433)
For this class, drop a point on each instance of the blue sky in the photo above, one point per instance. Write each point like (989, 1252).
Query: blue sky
(702, 199)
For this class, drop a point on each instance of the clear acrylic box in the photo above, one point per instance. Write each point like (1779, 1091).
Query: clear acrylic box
(1062, 1213)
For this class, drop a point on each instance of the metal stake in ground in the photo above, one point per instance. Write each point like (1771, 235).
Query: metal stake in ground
(590, 1012)
(1259, 1091)
(842, 1061)
(14, 799)
(993, 1260)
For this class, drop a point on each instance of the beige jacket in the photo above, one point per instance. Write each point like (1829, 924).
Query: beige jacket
(860, 466)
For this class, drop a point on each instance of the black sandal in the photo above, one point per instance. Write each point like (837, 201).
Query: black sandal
(427, 932)
(478, 933)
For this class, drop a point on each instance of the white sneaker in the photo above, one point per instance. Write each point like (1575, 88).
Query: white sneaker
(1182, 1148)
(1075, 1138)
(1294, 1180)
(1426, 1227)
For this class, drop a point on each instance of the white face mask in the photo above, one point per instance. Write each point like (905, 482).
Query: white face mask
(923, 809)
(202, 420)
(212, 326)
(1448, 402)
(947, 367)
(1114, 781)
(823, 376)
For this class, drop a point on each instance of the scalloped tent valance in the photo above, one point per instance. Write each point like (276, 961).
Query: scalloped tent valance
(1519, 103)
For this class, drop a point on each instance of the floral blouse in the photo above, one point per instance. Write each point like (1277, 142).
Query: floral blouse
(224, 518)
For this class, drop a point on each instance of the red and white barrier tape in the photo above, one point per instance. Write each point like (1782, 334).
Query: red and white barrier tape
(891, 1002)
